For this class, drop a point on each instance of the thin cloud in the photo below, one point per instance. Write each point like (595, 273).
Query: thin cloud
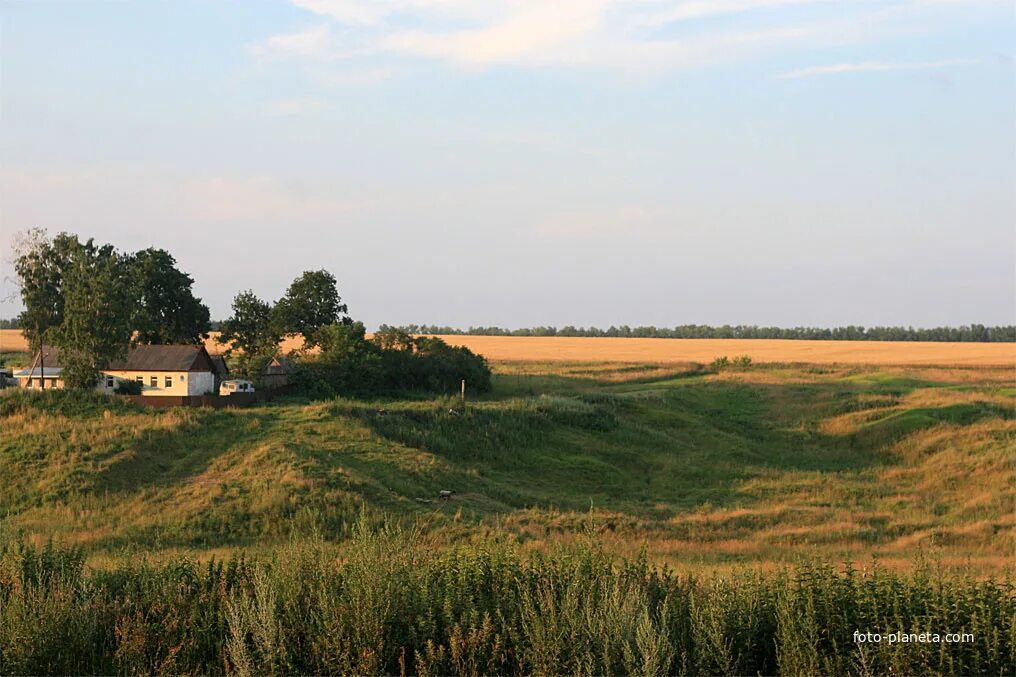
(374, 13)
(312, 42)
(872, 67)
(534, 30)
(702, 9)
(603, 34)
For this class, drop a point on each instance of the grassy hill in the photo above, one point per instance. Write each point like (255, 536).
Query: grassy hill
(759, 466)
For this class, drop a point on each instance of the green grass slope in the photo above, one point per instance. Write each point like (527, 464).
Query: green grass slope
(758, 466)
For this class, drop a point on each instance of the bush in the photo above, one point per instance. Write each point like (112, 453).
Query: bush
(348, 364)
(719, 364)
(741, 362)
(428, 364)
(391, 362)
(127, 387)
(439, 367)
(325, 378)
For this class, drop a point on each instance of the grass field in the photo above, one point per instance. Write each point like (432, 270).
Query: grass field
(704, 470)
(790, 504)
(664, 351)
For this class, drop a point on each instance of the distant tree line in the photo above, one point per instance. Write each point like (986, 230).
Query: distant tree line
(974, 333)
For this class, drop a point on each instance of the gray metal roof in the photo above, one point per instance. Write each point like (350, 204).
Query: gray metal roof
(147, 358)
(49, 372)
(159, 358)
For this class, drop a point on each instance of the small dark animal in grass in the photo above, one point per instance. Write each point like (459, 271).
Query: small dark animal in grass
(382, 412)
(445, 494)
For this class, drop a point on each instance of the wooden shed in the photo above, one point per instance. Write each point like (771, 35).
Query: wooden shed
(276, 373)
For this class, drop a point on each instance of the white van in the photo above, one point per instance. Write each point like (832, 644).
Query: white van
(236, 386)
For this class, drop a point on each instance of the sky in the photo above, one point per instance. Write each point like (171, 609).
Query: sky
(532, 162)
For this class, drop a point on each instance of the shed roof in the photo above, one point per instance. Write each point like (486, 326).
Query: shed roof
(278, 365)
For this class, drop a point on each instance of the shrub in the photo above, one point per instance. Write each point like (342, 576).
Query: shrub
(719, 364)
(127, 387)
(391, 362)
(741, 362)
(348, 364)
(428, 364)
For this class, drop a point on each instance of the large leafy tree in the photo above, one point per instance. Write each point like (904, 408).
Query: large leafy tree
(168, 311)
(99, 306)
(310, 303)
(252, 327)
(39, 264)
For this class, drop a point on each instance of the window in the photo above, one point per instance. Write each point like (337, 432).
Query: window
(169, 381)
(154, 381)
(109, 381)
(140, 379)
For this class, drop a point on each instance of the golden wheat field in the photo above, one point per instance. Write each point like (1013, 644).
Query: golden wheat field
(11, 340)
(669, 351)
(556, 348)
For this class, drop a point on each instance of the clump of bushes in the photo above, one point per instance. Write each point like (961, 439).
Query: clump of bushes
(429, 364)
(390, 362)
(389, 604)
(739, 363)
(347, 364)
(719, 364)
(127, 387)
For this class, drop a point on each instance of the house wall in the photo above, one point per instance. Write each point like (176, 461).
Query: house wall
(201, 383)
(33, 383)
(183, 382)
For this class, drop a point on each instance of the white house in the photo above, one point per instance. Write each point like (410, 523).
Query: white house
(161, 370)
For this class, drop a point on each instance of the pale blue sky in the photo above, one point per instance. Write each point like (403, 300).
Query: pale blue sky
(533, 162)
